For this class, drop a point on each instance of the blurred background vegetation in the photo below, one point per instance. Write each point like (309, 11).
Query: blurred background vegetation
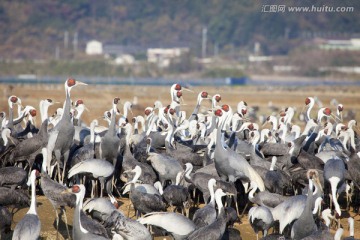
(32, 36)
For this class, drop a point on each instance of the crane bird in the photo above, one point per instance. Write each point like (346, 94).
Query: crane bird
(127, 228)
(216, 229)
(231, 165)
(176, 224)
(5, 221)
(79, 232)
(98, 168)
(65, 131)
(100, 208)
(260, 219)
(12, 176)
(54, 190)
(207, 214)
(29, 227)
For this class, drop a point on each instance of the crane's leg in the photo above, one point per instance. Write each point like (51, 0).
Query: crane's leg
(236, 204)
(242, 214)
(205, 197)
(187, 210)
(108, 188)
(66, 158)
(330, 196)
(102, 185)
(58, 159)
(93, 185)
(66, 222)
(57, 223)
(129, 210)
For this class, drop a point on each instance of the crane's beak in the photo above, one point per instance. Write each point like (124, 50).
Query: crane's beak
(187, 89)
(229, 194)
(80, 83)
(68, 190)
(335, 118)
(86, 109)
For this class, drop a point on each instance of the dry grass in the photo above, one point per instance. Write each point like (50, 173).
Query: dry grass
(98, 98)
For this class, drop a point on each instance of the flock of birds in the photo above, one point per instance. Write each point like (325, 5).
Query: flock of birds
(299, 183)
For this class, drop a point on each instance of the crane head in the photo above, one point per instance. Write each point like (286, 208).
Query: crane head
(217, 98)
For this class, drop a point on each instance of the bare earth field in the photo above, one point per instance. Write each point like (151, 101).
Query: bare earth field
(98, 99)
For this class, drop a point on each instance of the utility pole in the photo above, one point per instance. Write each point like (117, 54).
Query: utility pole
(75, 42)
(216, 49)
(204, 42)
(287, 33)
(66, 39)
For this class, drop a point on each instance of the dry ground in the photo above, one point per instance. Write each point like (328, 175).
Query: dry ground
(98, 98)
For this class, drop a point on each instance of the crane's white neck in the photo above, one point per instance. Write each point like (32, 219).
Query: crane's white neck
(273, 163)
(137, 174)
(351, 226)
(352, 138)
(263, 133)
(310, 124)
(252, 192)
(32, 209)
(326, 215)
(129, 132)
(317, 205)
(178, 178)
(351, 124)
(189, 168)
(296, 129)
(289, 115)
(80, 110)
(148, 146)
(92, 133)
(212, 193)
(44, 163)
(79, 203)
(333, 183)
(4, 135)
(43, 112)
(127, 107)
(159, 187)
(310, 106)
(218, 201)
(338, 234)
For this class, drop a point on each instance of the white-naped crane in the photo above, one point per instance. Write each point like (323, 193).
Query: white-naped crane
(64, 132)
(29, 226)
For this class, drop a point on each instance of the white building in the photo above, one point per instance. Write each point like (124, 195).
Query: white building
(163, 56)
(94, 47)
(352, 44)
(124, 59)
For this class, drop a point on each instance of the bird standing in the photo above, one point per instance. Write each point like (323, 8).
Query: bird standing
(29, 227)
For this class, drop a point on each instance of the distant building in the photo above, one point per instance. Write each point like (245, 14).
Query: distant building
(118, 50)
(253, 58)
(94, 47)
(124, 59)
(352, 44)
(163, 56)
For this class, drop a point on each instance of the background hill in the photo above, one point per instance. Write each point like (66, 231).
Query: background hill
(32, 29)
